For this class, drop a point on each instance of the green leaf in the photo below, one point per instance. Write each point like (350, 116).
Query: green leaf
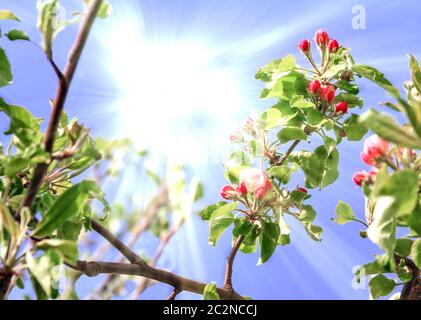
(49, 23)
(44, 269)
(375, 76)
(387, 128)
(344, 213)
(268, 240)
(403, 247)
(416, 253)
(207, 212)
(414, 66)
(284, 237)
(282, 173)
(291, 133)
(221, 219)
(314, 117)
(351, 99)
(6, 76)
(67, 206)
(8, 222)
(348, 87)
(381, 286)
(301, 103)
(320, 167)
(67, 248)
(290, 85)
(354, 129)
(8, 15)
(274, 67)
(375, 267)
(210, 292)
(14, 34)
(105, 10)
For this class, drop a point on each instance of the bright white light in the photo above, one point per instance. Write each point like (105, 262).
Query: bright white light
(173, 96)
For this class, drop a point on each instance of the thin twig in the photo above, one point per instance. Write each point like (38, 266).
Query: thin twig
(230, 262)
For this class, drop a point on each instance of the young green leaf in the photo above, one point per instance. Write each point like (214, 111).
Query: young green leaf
(354, 129)
(14, 34)
(381, 286)
(68, 205)
(221, 219)
(414, 66)
(403, 247)
(67, 248)
(291, 133)
(268, 240)
(49, 23)
(6, 76)
(387, 128)
(8, 15)
(416, 253)
(344, 213)
(375, 76)
(210, 292)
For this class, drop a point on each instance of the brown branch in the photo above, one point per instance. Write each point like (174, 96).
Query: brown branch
(117, 243)
(61, 96)
(288, 152)
(65, 80)
(230, 262)
(173, 294)
(410, 285)
(95, 268)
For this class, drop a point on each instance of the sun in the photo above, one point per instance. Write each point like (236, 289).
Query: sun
(173, 95)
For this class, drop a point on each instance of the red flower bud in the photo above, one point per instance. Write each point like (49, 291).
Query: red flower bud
(322, 38)
(374, 147)
(333, 45)
(327, 93)
(304, 190)
(304, 46)
(341, 107)
(314, 86)
(242, 189)
(228, 192)
(360, 177)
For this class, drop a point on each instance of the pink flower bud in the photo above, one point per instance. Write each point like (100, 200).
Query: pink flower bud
(332, 45)
(228, 192)
(253, 179)
(341, 107)
(373, 172)
(374, 147)
(327, 93)
(262, 191)
(314, 86)
(248, 125)
(360, 177)
(304, 190)
(304, 46)
(236, 137)
(242, 189)
(322, 38)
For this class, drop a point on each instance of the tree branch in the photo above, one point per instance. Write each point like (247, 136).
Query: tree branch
(230, 262)
(61, 96)
(95, 268)
(409, 286)
(65, 80)
(117, 243)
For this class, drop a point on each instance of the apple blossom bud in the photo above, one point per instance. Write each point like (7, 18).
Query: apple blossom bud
(249, 125)
(304, 190)
(374, 147)
(242, 189)
(314, 86)
(327, 93)
(253, 179)
(262, 191)
(304, 46)
(236, 137)
(332, 45)
(360, 177)
(228, 192)
(341, 107)
(322, 38)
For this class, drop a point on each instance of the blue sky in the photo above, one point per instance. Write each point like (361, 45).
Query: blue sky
(115, 94)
